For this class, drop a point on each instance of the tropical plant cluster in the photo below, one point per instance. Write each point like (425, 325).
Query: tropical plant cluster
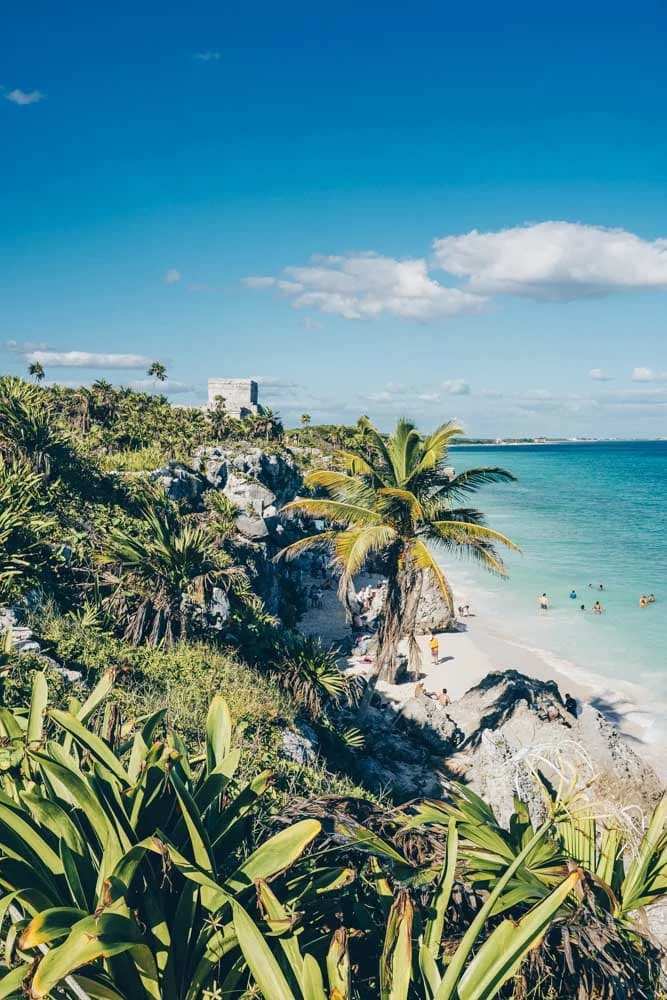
(146, 871)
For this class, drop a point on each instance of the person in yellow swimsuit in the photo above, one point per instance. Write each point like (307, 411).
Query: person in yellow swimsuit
(435, 649)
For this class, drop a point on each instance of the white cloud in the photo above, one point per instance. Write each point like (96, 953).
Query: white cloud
(600, 376)
(207, 56)
(24, 346)
(87, 359)
(167, 388)
(365, 286)
(648, 375)
(24, 97)
(171, 276)
(554, 260)
(456, 387)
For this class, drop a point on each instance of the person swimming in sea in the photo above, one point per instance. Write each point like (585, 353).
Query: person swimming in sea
(573, 595)
(582, 607)
(651, 599)
(597, 608)
(643, 601)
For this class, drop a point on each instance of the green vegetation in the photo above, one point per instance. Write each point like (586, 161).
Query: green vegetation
(148, 871)
(396, 499)
(157, 840)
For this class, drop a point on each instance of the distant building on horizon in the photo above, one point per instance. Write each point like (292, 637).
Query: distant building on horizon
(240, 395)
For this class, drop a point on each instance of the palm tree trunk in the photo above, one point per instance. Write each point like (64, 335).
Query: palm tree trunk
(404, 586)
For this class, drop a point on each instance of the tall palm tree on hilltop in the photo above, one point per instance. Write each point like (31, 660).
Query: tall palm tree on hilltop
(36, 371)
(395, 498)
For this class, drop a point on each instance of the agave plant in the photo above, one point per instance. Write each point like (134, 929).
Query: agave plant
(25, 528)
(28, 430)
(127, 881)
(165, 562)
(309, 671)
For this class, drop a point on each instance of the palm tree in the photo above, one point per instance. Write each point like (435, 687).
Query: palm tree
(36, 371)
(396, 499)
(157, 371)
(305, 419)
(165, 563)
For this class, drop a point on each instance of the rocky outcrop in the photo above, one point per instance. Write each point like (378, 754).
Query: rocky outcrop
(179, 481)
(433, 614)
(515, 726)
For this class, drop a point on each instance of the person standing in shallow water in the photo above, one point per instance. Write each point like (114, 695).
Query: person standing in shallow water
(544, 602)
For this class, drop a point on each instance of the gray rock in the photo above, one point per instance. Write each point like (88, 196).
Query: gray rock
(249, 495)
(253, 528)
(432, 614)
(27, 646)
(180, 483)
(300, 745)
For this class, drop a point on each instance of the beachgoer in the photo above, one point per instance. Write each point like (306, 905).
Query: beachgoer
(467, 610)
(435, 648)
(651, 599)
(643, 601)
(600, 587)
(582, 607)
(573, 595)
(419, 689)
(570, 705)
(460, 610)
(597, 608)
(443, 698)
(544, 602)
(552, 712)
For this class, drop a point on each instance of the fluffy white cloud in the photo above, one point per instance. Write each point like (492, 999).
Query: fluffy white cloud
(554, 260)
(456, 387)
(171, 276)
(648, 375)
(600, 376)
(366, 286)
(87, 359)
(207, 56)
(24, 97)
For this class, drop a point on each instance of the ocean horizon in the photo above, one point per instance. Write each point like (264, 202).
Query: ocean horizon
(583, 516)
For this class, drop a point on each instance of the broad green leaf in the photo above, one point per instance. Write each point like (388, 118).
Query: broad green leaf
(435, 924)
(101, 691)
(218, 732)
(339, 970)
(275, 854)
(312, 982)
(264, 968)
(502, 953)
(38, 702)
(396, 958)
(50, 925)
(93, 744)
(11, 984)
(273, 911)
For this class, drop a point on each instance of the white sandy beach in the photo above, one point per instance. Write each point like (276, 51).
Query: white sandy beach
(467, 656)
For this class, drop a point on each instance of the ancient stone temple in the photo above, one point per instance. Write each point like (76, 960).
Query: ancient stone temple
(239, 395)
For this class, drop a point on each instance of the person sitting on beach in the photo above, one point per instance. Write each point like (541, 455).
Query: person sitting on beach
(570, 705)
(443, 698)
(597, 608)
(544, 602)
(435, 648)
(643, 601)
(573, 595)
(419, 689)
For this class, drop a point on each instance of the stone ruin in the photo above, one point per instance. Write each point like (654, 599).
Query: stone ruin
(239, 395)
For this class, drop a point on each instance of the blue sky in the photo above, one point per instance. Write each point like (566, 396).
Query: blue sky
(443, 212)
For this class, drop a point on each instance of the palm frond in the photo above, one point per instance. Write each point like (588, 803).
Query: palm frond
(425, 561)
(339, 512)
(353, 547)
(464, 531)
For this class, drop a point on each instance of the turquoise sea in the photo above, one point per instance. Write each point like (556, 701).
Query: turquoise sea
(582, 513)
